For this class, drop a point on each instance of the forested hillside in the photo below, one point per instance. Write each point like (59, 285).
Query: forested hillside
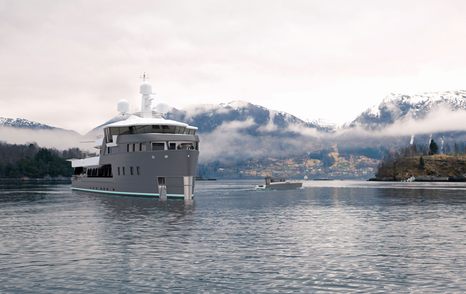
(32, 161)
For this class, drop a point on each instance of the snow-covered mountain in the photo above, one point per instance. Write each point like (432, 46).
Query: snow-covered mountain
(398, 107)
(23, 124)
(208, 117)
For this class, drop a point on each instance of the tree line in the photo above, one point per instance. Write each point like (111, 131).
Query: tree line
(430, 149)
(32, 161)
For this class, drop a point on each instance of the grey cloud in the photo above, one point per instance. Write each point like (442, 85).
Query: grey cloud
(45, 138)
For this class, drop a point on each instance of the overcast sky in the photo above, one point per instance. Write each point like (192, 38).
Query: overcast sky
(67, 63)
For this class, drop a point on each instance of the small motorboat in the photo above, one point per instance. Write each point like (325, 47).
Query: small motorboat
(278, 184)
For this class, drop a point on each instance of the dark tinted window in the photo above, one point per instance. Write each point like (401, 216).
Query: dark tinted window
(158, 146)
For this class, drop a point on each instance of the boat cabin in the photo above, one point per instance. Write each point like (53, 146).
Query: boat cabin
(138, 125)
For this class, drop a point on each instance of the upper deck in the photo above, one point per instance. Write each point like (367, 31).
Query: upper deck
(144, 125)
(136, 127)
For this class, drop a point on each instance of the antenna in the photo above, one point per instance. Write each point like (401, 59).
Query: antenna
(144, 77)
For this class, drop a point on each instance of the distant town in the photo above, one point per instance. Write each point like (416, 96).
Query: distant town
(333, 167)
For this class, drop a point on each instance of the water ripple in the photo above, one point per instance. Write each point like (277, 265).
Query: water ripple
(328, 237)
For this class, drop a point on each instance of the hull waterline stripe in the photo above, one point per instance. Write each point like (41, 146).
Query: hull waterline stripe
(127, 193)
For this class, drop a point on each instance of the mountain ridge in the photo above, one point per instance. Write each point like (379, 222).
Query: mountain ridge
(401, 107)
(23, 123)
(210, 116)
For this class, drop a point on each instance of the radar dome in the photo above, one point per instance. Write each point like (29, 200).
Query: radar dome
(145, 89)
(123, 106)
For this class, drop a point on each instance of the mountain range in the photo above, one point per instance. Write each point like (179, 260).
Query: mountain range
(394, 108)
(240, 131)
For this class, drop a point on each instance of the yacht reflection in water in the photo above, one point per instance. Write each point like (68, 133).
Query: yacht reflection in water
(118, 207)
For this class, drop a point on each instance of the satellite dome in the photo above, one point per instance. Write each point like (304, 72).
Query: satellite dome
(123, 106)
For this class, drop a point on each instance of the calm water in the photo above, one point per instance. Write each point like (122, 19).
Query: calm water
(328, 237)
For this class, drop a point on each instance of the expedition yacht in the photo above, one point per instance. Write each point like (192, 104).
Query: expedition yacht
(142, 154)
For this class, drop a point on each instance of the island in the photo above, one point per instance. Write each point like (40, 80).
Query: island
(423, 168)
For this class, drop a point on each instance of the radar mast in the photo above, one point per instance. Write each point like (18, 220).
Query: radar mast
(146, 97)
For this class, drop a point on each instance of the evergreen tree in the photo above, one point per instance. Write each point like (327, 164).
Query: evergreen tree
(457, 149)
(422, 164)
(433, 147)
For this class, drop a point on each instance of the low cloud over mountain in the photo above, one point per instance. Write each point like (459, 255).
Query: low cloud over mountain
(23, 131)
(243, 130)
(398, 108)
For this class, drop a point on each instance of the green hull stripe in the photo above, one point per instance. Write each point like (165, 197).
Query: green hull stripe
(127, 193)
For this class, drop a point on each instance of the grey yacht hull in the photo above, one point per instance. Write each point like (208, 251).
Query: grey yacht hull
(145, 174)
